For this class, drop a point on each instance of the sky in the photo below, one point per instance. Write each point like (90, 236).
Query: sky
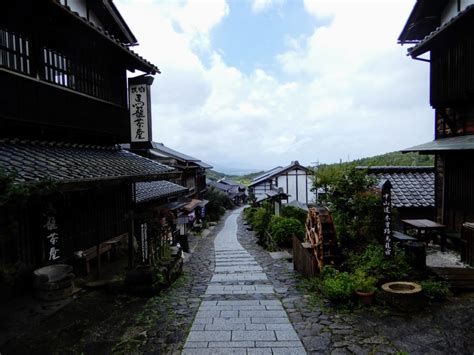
(253, 84)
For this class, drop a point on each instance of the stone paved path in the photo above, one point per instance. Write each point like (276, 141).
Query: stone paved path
(240, 313)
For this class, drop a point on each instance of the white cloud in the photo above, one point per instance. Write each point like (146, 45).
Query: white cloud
(347, 90)
(264, 5)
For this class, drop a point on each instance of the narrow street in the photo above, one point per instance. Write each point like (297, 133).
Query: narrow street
(240, 313)
(252, 305)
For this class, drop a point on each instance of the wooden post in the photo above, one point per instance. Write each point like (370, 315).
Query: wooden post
(131, 230)
(98, 260)
(386, 187)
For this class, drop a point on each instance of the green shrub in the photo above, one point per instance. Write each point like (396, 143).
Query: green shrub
(328, 272)
(294, 212)
(373, 262)
(282, 229)
(260, 221)
(218, 203)
(338, 288)
(435, 290)
(363, 282)
(249, 214)
(355, 207)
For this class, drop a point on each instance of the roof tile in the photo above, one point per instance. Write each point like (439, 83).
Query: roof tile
(411, 186)
(154, 190)
(32, 161)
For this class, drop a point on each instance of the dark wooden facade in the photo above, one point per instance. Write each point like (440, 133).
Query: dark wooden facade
(455, 189)
(63, 79)
(450, 44)
(84, 218)
(52, 60)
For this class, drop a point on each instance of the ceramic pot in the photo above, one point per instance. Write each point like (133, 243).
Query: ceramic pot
(365, 298)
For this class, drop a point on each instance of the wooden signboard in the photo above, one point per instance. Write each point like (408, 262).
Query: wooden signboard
(386, 188)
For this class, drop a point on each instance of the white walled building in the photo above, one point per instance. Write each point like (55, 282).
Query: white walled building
(295, 180)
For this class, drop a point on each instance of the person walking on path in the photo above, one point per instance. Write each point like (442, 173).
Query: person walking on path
(240, 313)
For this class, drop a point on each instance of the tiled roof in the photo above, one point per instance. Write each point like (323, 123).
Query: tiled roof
(421, 48)
(231, 183)
(220, 186)
(147, 65)
(266, 174)
(66, 163)
(277, 171)
(161, 148)
(411, 186)
(204, 165)
(445, 144)
(154, 190)
(423, 19)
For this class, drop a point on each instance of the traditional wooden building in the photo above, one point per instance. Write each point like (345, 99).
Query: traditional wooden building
(442, 32)
(412, 190)
(235, 191)
(159, 206)
(63, 111)
(295, 181)
(192, 170)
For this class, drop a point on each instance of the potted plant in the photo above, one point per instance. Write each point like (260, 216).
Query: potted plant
(364, 286)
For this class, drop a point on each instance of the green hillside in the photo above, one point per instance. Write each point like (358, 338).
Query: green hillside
(389, 159)
(396, 159)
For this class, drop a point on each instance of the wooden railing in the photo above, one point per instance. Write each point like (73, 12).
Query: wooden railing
(95, 78)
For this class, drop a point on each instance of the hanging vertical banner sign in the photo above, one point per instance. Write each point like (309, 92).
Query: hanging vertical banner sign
(144, 242)
(387, 217)
(139, 112)
(51, 232)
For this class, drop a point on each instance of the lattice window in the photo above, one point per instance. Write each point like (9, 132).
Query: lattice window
(15, 52)
(57, 68)
(92, 76)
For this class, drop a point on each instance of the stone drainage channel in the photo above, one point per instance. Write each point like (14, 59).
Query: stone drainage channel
(240, 313)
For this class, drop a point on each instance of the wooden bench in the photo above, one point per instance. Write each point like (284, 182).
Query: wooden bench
(402, 237)
(107, 247)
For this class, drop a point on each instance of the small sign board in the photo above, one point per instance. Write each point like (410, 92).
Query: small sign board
(139, 112)
(386, 187)
(50, 231)
(144, 243)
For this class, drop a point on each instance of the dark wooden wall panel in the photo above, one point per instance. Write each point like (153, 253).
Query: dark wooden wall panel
(459, 190)
(452, 71)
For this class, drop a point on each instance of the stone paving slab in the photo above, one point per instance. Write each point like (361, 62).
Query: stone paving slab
(239, 268)
(247, 276)
(249, 326)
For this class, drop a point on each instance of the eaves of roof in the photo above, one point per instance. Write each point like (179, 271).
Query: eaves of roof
(67, 163)
(460, 143)
(155, 190)
(424, 18)
(146, 65)
(162, 149)
(277, 171)
(465, 16)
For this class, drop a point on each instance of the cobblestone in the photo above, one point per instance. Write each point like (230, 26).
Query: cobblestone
(444, 329)
(230, 322)
(441, 329)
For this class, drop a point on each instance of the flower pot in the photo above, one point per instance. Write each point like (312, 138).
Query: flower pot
(365, 298)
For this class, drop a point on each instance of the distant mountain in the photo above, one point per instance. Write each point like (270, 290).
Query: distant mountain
(396, 159)
(232, 171)
(241, 179)
(390, 159)
(245, 176)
